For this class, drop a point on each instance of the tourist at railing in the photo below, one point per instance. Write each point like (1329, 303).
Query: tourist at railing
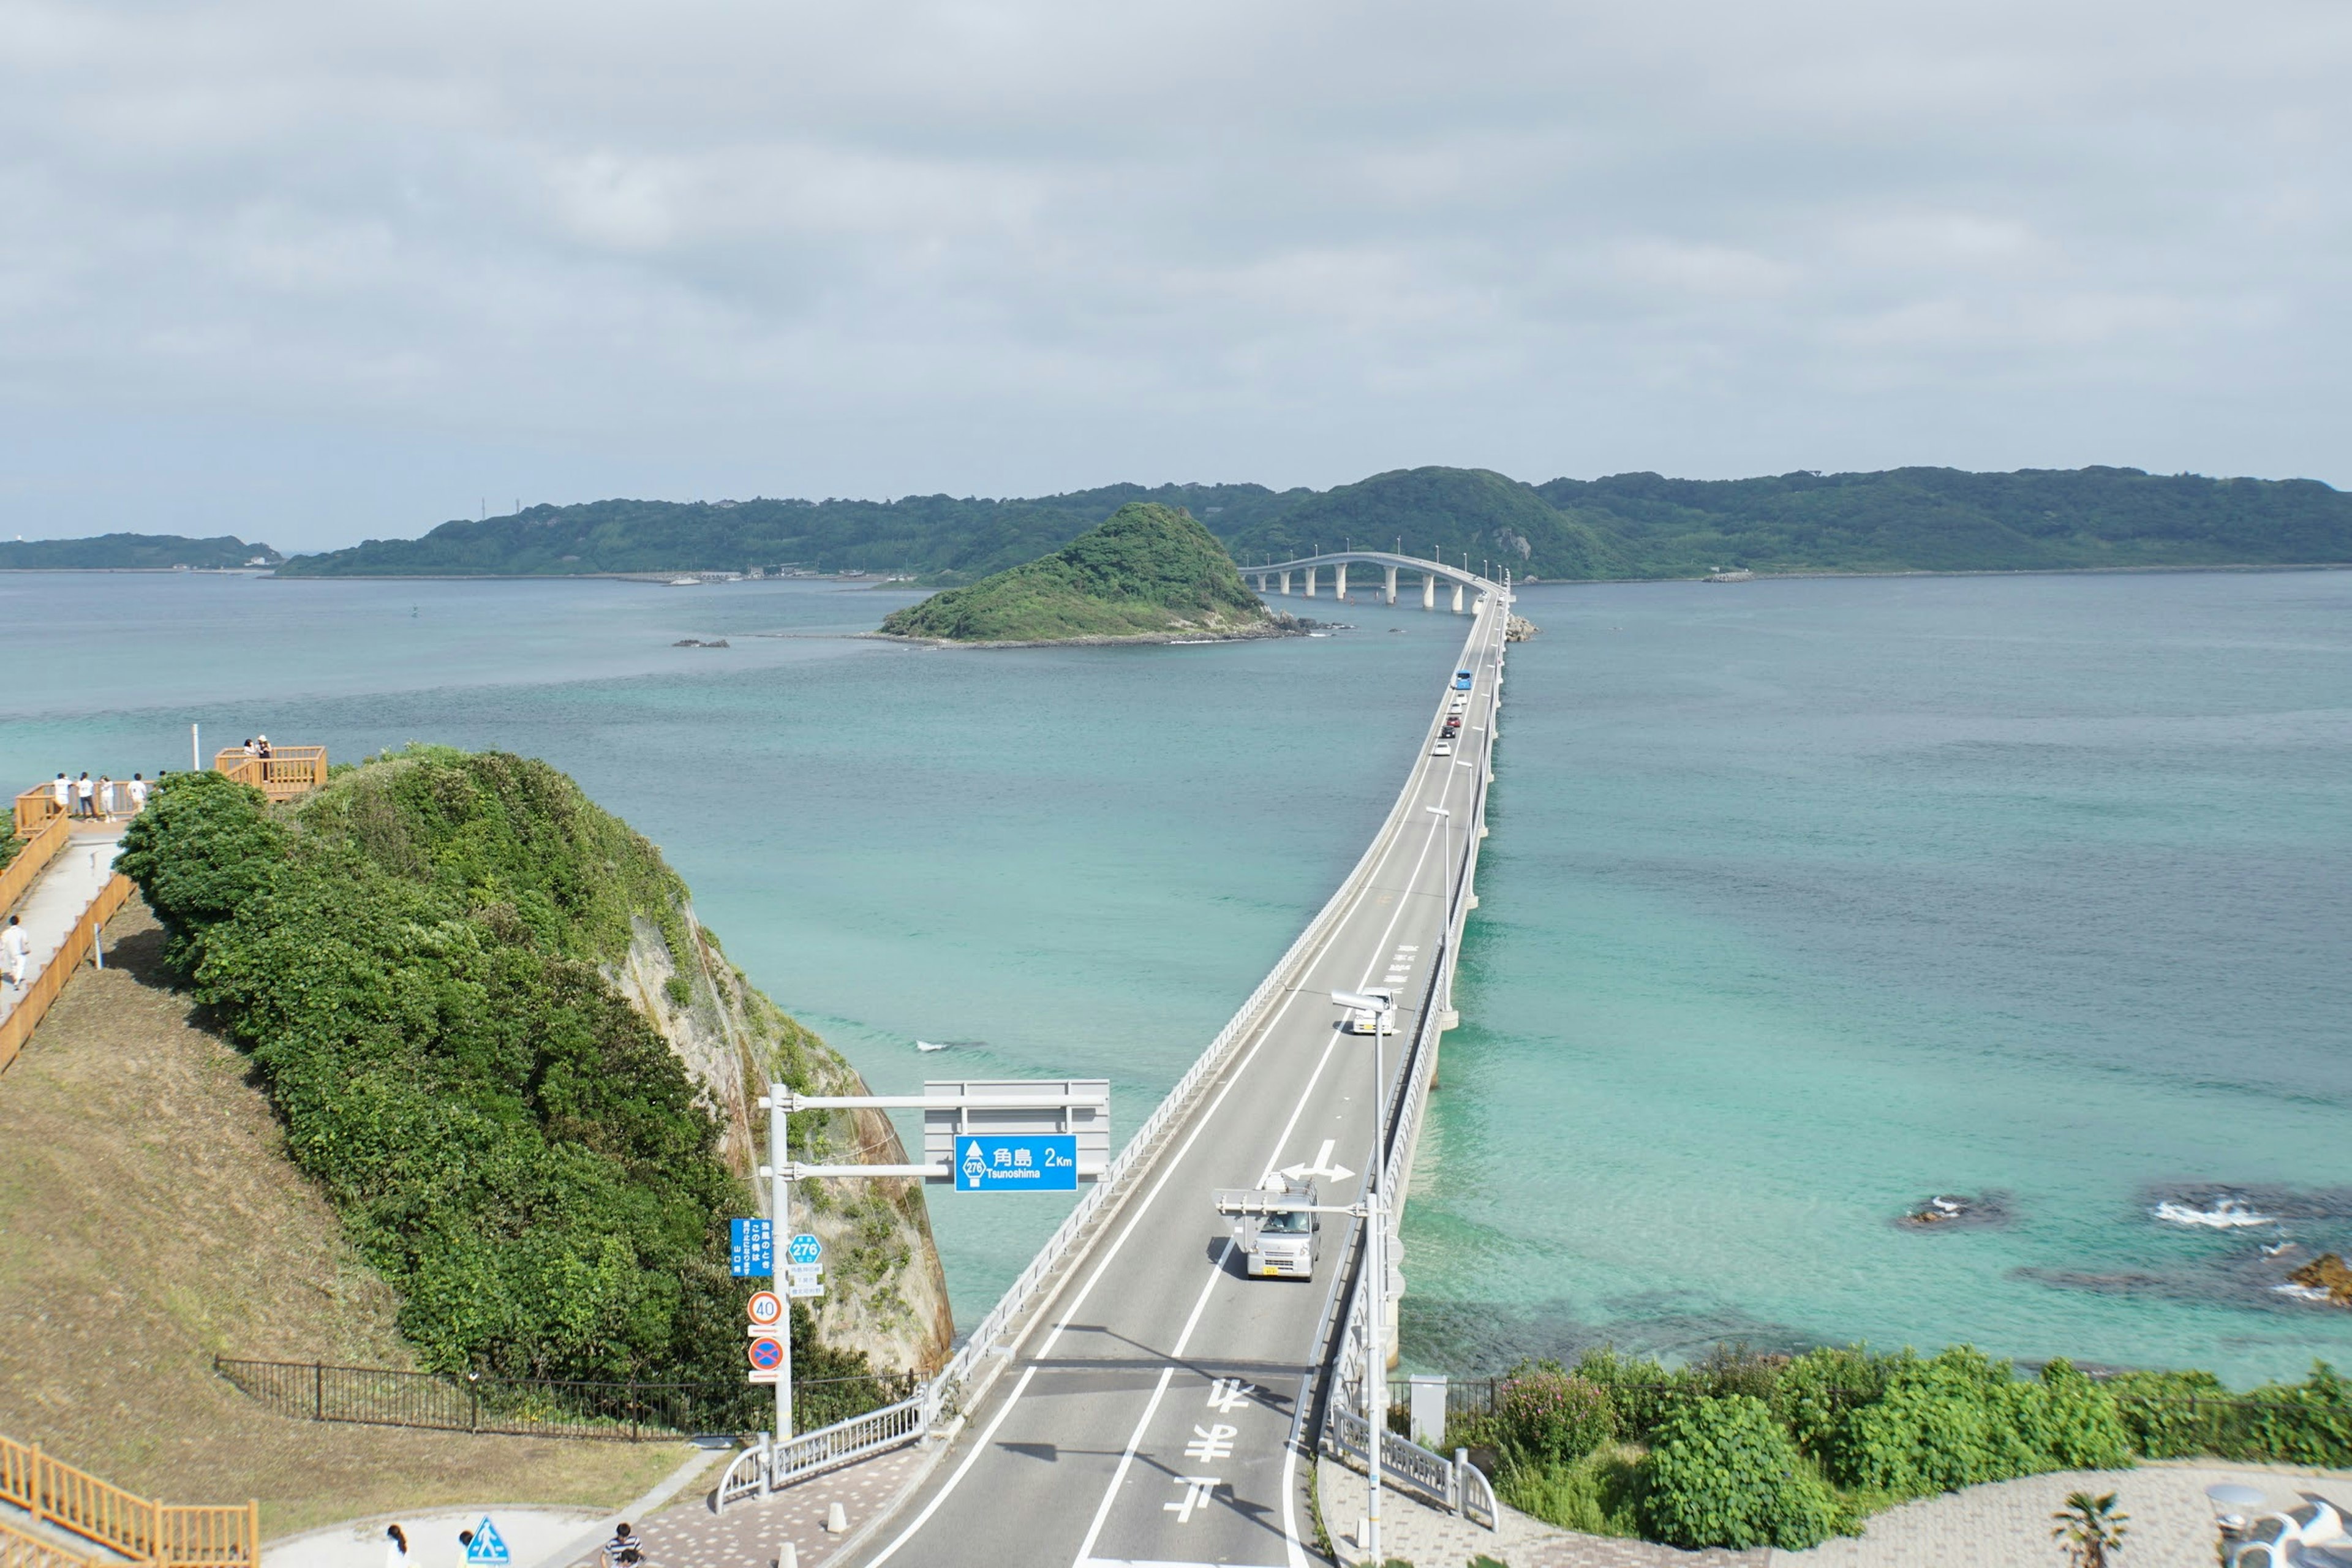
(105, 797)
(137, 789)
(84, 804)
(61, 793)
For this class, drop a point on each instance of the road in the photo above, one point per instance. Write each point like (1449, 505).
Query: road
(1145, 1414)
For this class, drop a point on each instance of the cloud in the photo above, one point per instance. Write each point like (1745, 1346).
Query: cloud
(420, 252)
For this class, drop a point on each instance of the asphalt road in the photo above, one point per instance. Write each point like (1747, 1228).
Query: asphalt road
(1144, 1414)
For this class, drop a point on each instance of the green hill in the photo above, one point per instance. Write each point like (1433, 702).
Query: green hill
(132, 552)
(1626, 525)
(1148, 571)
(516, 1066)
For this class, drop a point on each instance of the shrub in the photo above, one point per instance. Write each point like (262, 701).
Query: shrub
(1724, 1473)
(1600, 1494)
(1643, 1392)
(1959, 1419)
(2171, 1415)
(1814, 1391)
(1546, 1415)
(2069, 1422)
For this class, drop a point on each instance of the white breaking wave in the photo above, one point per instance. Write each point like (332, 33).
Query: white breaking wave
(2303, 1292)
(928, 1046)
(2227, 1214)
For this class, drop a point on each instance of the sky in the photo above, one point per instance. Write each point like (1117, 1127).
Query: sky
(311, 273)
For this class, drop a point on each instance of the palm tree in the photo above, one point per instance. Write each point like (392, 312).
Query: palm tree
(2091, 1528)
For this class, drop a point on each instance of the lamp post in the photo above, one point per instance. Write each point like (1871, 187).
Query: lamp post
(1375, 1370)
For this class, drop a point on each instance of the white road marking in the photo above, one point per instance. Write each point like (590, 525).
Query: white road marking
(1227, 1393)
(1196, 1495)
(1214, 1441)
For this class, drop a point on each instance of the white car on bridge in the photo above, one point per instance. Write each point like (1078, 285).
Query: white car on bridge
(1365, 1021)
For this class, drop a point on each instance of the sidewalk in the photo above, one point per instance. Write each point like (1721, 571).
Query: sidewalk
(55, 906)
(751, 1534)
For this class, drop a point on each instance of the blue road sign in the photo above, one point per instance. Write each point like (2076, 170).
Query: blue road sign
(803, 1249)
(751, 1249)
(487, 1545)
(1035, 1163)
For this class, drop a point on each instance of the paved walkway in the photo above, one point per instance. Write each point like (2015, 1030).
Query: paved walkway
(1429, 1537)
(751, 1534)
(58, 898)
(2008, 1524)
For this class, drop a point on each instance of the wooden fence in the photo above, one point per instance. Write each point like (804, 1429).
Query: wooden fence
(18, 1027)
(34, 858)
(288, 772)
(167, 1535)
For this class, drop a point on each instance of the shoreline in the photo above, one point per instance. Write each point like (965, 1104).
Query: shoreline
(1143, 639)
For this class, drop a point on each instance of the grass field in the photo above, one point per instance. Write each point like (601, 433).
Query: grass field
(149, 1221)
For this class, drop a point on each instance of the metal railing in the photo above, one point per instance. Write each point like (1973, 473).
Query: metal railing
(757, 1471)
(1446, 1481)
(167, 1535)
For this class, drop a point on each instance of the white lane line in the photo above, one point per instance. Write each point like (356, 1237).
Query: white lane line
(978, 1448)
(1166, 1375)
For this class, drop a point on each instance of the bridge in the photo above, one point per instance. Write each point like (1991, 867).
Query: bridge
(1134, 1398)
(1276, 576)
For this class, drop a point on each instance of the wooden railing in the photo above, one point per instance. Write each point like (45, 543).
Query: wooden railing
(37, 807)
(18, 1027)
(21, 1549)
(168, 1535)
(40, 849)
(285, 774)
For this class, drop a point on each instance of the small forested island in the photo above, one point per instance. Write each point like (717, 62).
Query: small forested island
(1638, 525)
(133, 553)
(1148, 573)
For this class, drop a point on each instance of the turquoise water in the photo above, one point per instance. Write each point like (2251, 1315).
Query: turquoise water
(1805, 900)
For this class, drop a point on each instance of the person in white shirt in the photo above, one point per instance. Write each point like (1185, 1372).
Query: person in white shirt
(14, 952)
(138, 791)
(105, 797)
(82, 792)
(62, 793)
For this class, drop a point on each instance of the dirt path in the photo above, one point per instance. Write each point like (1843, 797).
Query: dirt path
(150, 1221)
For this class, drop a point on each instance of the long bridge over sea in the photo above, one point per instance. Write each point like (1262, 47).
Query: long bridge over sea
(1134, 1398)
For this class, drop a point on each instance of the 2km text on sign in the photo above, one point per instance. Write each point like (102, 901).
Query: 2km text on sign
(998, 1163)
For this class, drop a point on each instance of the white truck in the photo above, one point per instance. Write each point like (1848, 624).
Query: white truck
(1276, 1226)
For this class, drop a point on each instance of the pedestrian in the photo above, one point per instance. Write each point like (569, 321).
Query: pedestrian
(465, 1545)
(262, 742)
(14, 950)
(83, 806)
(62, 793)
(249, 746)
(395, 1547)
(105, 798)
(623, 1543)
(138, 792)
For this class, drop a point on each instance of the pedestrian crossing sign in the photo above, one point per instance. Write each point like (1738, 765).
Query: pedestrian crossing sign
(487, 1545)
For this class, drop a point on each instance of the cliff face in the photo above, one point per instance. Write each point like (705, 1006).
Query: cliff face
(886, 1293)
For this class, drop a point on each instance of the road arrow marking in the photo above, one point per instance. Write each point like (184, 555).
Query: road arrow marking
(1321, 1168)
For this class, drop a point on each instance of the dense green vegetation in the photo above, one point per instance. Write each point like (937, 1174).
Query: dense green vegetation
(1764, 1451)
(412, 957)
(1149, 570)
(118, 552)
(1627, 525)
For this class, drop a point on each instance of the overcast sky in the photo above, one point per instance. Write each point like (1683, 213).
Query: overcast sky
(308, 273)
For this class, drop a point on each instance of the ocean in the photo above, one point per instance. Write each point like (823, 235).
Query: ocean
(1806, 900)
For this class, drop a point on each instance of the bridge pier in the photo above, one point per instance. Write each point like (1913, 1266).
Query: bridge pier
(1285, 584)
(1310, 582)
(1457, 597)
(1340, 582)
(1428, 590)
(1392, 593)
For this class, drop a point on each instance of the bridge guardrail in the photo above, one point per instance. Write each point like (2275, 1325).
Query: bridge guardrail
(757, 1471)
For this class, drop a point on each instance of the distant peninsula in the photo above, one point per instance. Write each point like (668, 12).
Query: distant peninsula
(133, 553)
(1149, 573)
(1637, 525)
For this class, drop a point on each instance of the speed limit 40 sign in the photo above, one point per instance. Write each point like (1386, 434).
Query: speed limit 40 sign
(765, 1309)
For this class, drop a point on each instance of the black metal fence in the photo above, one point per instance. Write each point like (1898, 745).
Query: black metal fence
(546, 1407)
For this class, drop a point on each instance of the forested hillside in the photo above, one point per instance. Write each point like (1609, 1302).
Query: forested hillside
(1627, 525)
(132, 552)
(516, 1066)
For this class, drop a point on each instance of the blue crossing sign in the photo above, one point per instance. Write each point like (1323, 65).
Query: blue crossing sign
(750, 1248)
(1000, 1163)
(487, 1545)
(804, 1250)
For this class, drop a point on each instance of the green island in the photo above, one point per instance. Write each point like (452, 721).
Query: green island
(134, 553)
(1149, 573)
(1745, 1451)
(1638, 525)
(522, 1073)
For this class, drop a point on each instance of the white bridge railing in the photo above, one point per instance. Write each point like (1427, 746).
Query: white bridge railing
(764, 1468)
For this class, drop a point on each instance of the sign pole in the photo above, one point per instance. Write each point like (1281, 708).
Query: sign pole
(779, 1211)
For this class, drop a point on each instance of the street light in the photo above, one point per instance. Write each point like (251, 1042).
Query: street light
(1376, 1369)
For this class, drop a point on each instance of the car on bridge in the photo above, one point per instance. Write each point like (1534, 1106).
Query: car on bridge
(1277, 1227)
(1443, 749)
(1461, 681)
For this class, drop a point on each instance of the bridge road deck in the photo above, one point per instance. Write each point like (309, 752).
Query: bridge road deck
(1145, 1414)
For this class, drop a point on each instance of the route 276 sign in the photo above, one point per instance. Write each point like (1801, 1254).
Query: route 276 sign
(994, 1162)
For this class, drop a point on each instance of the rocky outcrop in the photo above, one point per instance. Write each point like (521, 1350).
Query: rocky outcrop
(2327, 1273)
(886, 1293)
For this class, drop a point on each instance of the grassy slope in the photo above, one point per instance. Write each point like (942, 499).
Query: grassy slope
(1149, 569)
(149, 1220)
